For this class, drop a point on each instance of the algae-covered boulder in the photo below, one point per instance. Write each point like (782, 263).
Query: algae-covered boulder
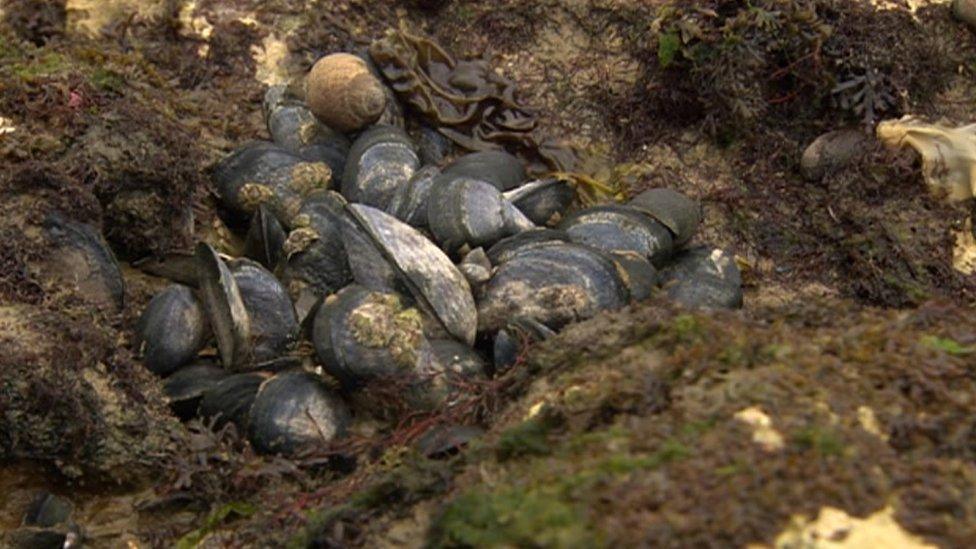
(70, 397)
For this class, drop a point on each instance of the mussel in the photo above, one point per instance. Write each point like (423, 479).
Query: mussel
(172, 330)
(554, 284)
(508, 248)
(265, 240)
(503, 170)
(463, 210)
(382, 159)
(680, 214)
(409, 202)
(186, 387)
(703, 277)
(420, 268)
(637, 272)
(543, 201)
(81, 261)
(293, 126)
(614, 228)
(272, 321)
(265, 173)
(294, 411)
(224, 306)
(230, 400)
(317, 258)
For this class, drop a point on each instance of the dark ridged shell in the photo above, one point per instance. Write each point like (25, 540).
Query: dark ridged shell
(295, 411)
(509, 247)
(381, 160)
(265, 239)
(704, 277)
(680, 214)
(172, 330)
(323, 266)
(542, 201)
(81, 261)
(639, 274)
(186, 387)
(409, 203)
(616, 228)
(463, 210)
(555, 285)
(230, 400)
(224, 306)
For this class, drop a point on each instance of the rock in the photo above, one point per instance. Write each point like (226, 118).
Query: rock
(965, 11)
(831, 152)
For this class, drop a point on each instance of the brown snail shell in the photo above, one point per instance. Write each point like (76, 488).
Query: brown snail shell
(343, 93)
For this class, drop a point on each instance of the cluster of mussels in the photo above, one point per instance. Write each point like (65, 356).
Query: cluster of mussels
(422, 277)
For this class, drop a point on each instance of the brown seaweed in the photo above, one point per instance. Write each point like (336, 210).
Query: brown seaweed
(466, 100)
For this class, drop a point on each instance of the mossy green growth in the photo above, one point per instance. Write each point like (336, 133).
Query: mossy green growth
(529, 438)
(948, 346)
(216, 518)
(512, 517)
(822, 440)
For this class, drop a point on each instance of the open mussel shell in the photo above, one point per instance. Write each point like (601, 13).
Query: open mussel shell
(499, 168)
(265, 239)
(230, 400)
(273, 324)
(543, 201)
(409, 202)
(680, 214)
(637, 272)
(555, 285)
(186, 387)
(382, 159)
(179, 267)
(507, 248)
(362, 335)
(614, 228)
(81, 261)
(703, 277)
(509, 341)
(265, 173)
(462, 210)
(294, 411)
(433, 281)
(224, 306)
(317, 259)
(172, 330)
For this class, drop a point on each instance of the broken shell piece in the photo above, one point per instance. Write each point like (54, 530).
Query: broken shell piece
(948, 154)
(831, 152)
(343, 93)
(224, 306)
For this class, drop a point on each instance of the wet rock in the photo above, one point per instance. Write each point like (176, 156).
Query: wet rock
(831, 152)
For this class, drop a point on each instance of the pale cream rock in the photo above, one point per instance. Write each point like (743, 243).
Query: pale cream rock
(835, 529)
(763, 432)
(948, 154)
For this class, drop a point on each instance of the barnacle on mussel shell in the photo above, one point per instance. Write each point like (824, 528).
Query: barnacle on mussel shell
(362, 335)
(554, 284)
(230, 400)
(680, 214)
(703, 277)
(186, 387)
(265, 173)
(613, 228)
(272, 321)
(172, 330)
(81, 261)
(224, 306)
(343, 93)
(381, 160)
(316, 256)
(422, 268)
(294, 411)
(543, 201)
(265, 240)
(463, 210)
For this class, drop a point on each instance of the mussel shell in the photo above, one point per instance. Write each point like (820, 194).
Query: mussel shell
(508, 248)
(273, 324)
(409, 202)
(265, 239)
(424, 270)
(81, 260)
(433, 145)
(680, 214)
(294, 411)
(172, 330)
(703, 277)
(507, 346)
(638, 274)
(48, 510)
(224, 306)
(186, 387)
(554, 284)
(230, 400)
(456, 360)
(443, 440)
(463, 210)
(284, 177)
(179, 267)
(362, 335)
(293, 126)
(501, 169)
(542, 201)
(476, 267)
(381, 160)
(615, 228)
(321, 265)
